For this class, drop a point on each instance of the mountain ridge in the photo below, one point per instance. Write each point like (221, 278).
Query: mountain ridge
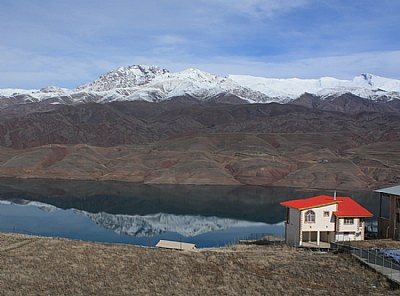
(154, 84)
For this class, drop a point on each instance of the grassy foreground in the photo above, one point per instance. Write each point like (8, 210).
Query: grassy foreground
(47, 266)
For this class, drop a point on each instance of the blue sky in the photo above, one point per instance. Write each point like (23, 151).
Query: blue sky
(68, 43)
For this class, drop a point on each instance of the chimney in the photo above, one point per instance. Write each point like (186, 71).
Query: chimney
(334, 195)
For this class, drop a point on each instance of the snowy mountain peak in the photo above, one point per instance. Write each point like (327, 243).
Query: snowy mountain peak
(124, 77)
(375, 82)
(51, 89)
(368, 77)
(198, 75)
(154, 84)
(366, 86)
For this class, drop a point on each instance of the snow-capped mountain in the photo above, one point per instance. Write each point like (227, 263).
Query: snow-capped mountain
(151, 83)
(124, 77)
(148, 225)
(30, 203)
(365, 86)
(156, 224)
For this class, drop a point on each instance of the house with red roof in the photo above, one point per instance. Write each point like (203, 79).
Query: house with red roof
(324, 218)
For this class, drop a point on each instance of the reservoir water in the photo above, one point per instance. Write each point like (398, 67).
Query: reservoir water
(117, 212)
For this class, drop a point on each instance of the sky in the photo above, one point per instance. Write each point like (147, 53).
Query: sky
(69, 43)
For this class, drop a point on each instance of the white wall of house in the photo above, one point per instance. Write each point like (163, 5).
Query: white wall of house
(342, 227)
(296, 227)
(346, 232)
(327, 227)
(344, 236)
(322, 222)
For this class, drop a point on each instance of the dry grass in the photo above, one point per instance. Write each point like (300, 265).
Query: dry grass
(378, 243)
(46, 266)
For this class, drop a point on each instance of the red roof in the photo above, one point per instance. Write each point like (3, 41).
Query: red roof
(347, 207)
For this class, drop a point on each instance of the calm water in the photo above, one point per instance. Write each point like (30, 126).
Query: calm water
(143, 214)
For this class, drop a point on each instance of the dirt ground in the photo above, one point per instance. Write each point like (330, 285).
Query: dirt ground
(48, 266)
(340, 160)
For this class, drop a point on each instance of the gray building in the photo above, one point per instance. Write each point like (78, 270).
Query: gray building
(389, 227)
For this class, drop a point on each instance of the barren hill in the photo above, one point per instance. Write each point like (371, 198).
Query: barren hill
(142, 122)
(329, 160)
(188, 142)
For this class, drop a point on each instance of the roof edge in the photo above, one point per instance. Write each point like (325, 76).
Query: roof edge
(395, 190)
(353, 216)
(312, 207)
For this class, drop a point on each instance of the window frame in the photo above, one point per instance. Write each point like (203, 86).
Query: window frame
(309, 217)
(348, 221)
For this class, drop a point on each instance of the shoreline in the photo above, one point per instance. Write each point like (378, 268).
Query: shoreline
(105, 181)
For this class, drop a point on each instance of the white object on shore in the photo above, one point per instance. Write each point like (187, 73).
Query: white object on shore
(175, 245)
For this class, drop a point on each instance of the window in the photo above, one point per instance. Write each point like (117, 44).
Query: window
(309, 217)
(348, 221)
(326, 213)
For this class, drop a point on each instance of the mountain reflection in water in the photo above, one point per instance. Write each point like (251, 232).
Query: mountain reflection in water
(143, 214)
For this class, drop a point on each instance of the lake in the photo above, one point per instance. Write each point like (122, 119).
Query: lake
(117, 212)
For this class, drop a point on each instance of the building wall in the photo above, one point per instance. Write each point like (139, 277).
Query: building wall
(346, 232)
(330, 227)
(345, 236)
(341, 227)
(296, 225)
(394, 225)
(321, 223)
(383, 228)
(362, 231)
(293, 227)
